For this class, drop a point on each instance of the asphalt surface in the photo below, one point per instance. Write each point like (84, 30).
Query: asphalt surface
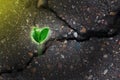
(84, 43)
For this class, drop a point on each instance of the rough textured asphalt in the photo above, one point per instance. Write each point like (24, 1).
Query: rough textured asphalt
(84, 44)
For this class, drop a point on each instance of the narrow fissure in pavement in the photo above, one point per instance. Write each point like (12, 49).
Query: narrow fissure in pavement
(107, 32)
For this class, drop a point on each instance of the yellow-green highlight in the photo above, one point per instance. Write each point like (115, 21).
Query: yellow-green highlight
(13, 15)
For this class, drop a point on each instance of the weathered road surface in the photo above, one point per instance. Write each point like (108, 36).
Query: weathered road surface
(84, 44)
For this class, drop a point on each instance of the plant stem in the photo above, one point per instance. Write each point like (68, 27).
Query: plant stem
(40, 50)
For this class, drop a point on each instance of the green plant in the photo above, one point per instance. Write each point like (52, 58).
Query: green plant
(40, 36)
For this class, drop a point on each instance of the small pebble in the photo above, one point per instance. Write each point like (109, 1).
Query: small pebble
(111, 65)
(30, 54)
(62, 56)
(2, 41)
(90, 77)
(105, 56)
(113, 13)
(105, 71)
(65, 35)
(97, 17)
(73, 6)
(65, 41)
(75, 34)
(83, 30)
(74, 22)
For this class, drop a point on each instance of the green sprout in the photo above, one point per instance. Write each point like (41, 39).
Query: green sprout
(40, 36)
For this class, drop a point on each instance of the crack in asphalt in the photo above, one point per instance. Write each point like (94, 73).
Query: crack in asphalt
(107, 32)
(58, 17)
(20, 69)
(103, 33)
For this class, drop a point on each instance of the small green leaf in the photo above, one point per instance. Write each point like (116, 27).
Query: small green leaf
(43, 35)
(39, 35)
(36, 33)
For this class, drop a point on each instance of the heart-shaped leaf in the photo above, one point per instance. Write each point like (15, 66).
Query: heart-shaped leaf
(40, 35)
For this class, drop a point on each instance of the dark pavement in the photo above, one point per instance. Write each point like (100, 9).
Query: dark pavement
(84, 43)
